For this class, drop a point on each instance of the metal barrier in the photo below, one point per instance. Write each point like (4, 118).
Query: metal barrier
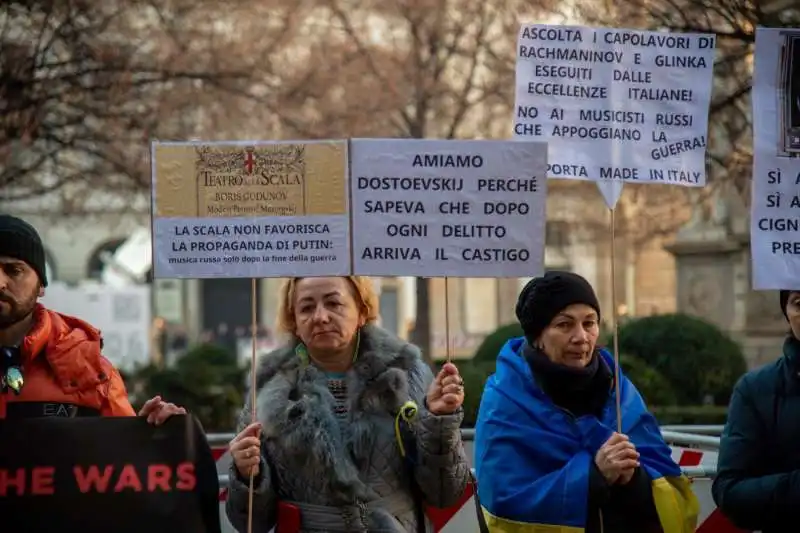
(678, 438)
(687, 439)
(715, 431)
(699, 472)
(692, 472)
(219, 439)
(222, 439)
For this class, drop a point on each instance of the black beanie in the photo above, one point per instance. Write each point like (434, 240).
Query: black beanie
(544, 297)
(20, 240)
(785, 302)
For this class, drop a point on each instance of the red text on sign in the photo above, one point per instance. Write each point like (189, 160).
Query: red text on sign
(37, 481)
(153, 478)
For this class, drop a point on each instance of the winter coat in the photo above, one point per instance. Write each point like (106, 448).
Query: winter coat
(758, 471)
(65, 372)
(350, 476)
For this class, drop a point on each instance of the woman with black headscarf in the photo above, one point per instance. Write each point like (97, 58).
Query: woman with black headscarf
(758, 475)
(547, 452)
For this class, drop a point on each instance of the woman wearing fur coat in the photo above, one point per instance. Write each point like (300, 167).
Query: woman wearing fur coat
(354, 432)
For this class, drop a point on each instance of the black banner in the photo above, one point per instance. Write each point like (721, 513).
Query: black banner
(107, 475)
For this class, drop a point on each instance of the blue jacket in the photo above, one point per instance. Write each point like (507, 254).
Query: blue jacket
(533, 459)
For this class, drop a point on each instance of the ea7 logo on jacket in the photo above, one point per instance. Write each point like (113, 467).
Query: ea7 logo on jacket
(47, 409)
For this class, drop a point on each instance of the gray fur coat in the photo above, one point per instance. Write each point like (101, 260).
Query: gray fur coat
(352, 479)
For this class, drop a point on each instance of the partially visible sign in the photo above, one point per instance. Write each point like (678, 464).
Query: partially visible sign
(96, 475)
(121, 314)
(775, 205)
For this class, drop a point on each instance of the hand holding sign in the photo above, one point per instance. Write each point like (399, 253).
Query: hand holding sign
(158, 411)
(446, 393)
(245, 449)
(617, 458)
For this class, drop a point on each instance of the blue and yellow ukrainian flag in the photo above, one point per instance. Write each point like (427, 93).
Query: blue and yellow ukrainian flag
(532, 460)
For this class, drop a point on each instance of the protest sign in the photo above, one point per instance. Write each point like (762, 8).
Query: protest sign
(96, 475)
(448, 208)
(259, 209)
(616, 105)
(775, 216)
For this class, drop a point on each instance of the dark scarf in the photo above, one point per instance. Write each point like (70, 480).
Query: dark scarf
(581, 391)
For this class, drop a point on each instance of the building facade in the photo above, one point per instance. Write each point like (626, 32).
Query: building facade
(577, 239)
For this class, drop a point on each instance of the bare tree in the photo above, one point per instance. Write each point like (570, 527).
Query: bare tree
(85, 85)
(734, 23)
(400, 68)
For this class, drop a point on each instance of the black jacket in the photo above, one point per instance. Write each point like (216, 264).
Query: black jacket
(758, 474)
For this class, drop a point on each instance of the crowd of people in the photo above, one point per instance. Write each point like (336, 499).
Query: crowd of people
(352, 431)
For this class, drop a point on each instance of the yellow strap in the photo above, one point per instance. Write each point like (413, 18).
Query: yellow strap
(407, 413)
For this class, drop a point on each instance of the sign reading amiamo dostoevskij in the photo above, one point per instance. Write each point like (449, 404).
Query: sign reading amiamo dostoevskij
(448, 208)
(259, 209)
(98, 475)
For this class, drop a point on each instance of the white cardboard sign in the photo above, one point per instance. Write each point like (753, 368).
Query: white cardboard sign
(616, 105)
(448, 208)
(775, 211)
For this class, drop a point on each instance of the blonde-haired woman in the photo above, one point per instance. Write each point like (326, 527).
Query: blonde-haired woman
(354, 433)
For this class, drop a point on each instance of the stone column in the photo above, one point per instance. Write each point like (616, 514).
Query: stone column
(712, 255)
(708, 263)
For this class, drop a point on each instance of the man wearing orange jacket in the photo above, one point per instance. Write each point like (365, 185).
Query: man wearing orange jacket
(51, 364)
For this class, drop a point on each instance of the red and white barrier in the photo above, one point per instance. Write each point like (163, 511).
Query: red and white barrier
(461, 518)
(693, 457)
(711, 520)
(223, 459)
